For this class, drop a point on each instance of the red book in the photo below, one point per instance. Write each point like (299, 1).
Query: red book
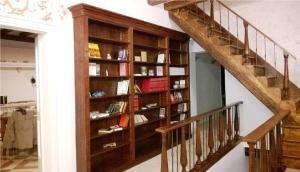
(136, 103)
(124, 119)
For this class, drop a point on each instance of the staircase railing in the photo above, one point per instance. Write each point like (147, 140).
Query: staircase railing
(198, 142)
(265, 145)
(257, 47)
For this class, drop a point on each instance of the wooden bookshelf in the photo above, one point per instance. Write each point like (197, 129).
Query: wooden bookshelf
(113, 32)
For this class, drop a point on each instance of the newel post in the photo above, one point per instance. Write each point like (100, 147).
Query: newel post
(164, 155)
(212, 18)
(285, 90)
(246, 42)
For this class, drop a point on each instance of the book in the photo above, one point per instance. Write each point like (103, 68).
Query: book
(124, 121)
(161, 58)
(136, 103)
(140, 119)
(122, 87)
(137, 58)
(123, 69)
(117, 107)
(137, 89)
(94, 69)
(182, 116)
(122, 54)
(182, 83)
(94, 51)
(162, 112)
(177, 71)
(159, 71)
(144, 56)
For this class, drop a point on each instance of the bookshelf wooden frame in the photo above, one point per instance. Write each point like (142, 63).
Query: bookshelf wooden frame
(119, 31)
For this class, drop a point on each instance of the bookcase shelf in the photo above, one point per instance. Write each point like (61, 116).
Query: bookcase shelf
(105, 40)
(178, 89)
(149, 63)
(109, 97)
(108, 150)
(178, 102)
(97, 136)
(149, 47)
(108, 60)
(145, 49)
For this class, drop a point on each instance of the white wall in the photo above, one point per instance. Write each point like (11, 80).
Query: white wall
(16, 83)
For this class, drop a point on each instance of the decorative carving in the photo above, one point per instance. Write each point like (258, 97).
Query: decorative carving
(39, 9)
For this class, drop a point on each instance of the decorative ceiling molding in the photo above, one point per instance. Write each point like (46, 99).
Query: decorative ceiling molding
(45, 10)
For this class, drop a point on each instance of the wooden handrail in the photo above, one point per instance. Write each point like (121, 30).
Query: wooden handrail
(198, 117)
(270, 39)
(263, 129)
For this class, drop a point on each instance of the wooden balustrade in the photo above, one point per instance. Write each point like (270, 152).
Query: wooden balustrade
(268, 139)
(209, 136)
(212, 18)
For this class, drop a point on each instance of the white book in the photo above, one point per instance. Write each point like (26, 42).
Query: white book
(144, 118)
(177, 71)
(182, 116)
(92, 69)
(182, 83)
(144, 56)
(161, 58)
(159, 71)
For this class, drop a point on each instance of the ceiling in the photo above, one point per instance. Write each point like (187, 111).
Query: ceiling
(14, 35)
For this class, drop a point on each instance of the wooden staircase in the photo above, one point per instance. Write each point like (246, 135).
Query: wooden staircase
(252, 69)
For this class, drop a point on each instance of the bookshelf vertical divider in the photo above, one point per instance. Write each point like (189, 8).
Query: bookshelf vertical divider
(131, 72)
(97, 83)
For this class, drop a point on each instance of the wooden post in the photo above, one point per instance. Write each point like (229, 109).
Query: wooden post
(279, 147)
(246, 43)
(252, 167)
(263, 155)
(210, 137)
(164, 155)
(285, 90)
(236, 123)
(212, 17)
(198, 143)
(273, 156)
(183, 153)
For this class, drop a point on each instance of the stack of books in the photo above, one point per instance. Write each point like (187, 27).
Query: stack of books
(140, 119)
(176, 97)
(155, 84)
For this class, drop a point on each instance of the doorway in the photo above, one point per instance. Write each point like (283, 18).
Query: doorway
(210, 83)
(18, 95)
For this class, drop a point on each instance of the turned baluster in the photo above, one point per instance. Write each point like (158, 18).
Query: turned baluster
(273, 155)
(263, 155)
(252, 167)
(164, 155)
(236, 124)
(183, 153)
(210, 137)
(246, 43)
(212, 18)
(221, 130)
(285, 90)
(229, 127)
(198, 143)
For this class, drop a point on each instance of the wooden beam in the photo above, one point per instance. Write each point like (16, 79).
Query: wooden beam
(173, 5)
(156, 2)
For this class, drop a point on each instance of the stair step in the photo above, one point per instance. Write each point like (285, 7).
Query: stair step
(297, 103)
(271, 81)
(291, 162)
(259, 70)
(219, 32)
(291, 132)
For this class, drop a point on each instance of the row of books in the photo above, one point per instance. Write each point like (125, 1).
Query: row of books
(117, 107)
(95, 53)
(182, 107)
(176, 97)
(143, 57)
(140, 119)
(123, 123)
(95, 70)
(179, 84)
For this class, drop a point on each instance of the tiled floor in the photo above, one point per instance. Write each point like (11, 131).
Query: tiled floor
(25, 163)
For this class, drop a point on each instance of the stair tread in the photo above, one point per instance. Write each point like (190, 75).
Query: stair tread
(259, 66)
(271, 77)
(234, 46)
